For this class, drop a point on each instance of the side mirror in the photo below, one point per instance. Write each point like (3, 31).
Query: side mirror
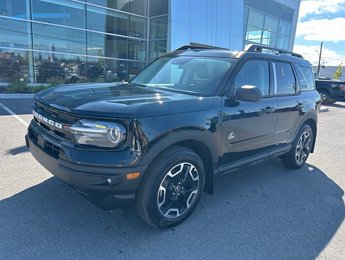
(248, 93)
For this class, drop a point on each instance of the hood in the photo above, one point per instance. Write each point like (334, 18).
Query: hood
(120, 100)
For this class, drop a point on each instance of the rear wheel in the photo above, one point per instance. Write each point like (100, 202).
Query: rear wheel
(172, 188)
(300, 150)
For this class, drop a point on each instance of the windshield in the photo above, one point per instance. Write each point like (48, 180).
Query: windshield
(200, 75)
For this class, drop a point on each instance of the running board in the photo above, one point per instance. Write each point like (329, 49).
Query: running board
(234, 166)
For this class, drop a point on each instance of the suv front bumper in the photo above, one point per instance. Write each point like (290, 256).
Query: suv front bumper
(106, 186)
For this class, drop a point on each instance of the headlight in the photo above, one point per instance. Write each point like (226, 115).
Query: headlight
(98, 133)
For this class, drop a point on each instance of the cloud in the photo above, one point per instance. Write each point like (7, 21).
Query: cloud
(315, 7)
(331, 30)
(311, 53)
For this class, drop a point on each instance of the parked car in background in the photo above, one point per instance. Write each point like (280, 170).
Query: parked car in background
(49, 70)
(330, 90)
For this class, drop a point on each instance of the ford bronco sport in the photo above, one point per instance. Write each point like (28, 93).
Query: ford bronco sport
(193, 114)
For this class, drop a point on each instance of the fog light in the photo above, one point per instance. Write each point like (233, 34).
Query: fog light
(109, 181)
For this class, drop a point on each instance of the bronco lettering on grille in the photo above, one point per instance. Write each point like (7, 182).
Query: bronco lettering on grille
(46, 120)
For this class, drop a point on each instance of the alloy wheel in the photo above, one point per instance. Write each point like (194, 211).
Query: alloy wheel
(178, 190)
(303, 148)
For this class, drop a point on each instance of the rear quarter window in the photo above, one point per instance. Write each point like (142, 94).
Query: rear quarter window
(305, 77)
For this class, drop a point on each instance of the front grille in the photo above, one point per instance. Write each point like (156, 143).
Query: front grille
(58, 116)
(44, 144)
(52, 149)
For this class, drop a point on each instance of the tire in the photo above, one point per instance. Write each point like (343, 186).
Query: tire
(300, 150)
(326, 97)
(171, 188)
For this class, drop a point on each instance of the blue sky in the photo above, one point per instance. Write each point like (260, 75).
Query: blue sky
(321, 20)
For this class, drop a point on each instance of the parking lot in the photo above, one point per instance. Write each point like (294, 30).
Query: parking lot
(261, 212)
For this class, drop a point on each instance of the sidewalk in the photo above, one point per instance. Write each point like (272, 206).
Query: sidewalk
(16, 96)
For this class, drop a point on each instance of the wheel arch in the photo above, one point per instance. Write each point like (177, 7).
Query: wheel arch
(313, 124)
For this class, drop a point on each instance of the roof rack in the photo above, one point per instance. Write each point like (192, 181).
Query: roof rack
(196, 46)
(260, 48)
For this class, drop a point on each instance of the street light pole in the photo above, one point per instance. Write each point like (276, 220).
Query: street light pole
(319, 64)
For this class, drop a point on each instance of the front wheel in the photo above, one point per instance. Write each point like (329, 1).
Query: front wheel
(171, 188)
(300, 150)
(326, 97)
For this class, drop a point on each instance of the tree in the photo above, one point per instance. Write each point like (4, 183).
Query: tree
(338, 72)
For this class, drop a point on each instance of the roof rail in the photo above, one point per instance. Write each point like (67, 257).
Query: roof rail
(260, 48)
(196, 46)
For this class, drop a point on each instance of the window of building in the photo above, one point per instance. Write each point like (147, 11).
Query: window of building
(14, 36)
(159, 27)
(256, 73)
(282, 42)
(284, 28)
(269, 38)
(15, 8)
(256, 18)
(157, 48)
(105, 45)
(268, 23)
(135, 6)
(158, 7)
(109, 21)
(271, 24)
(285, 83)
(61, 12)
(14, 64)
(137, 50)
(254, 34)
(58, 68)
(62, 40)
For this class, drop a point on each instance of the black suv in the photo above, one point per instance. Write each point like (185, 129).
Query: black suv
(192, 115)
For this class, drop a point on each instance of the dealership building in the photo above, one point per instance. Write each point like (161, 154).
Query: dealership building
(69, 41)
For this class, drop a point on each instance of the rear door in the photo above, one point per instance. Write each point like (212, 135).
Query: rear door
(290, 102)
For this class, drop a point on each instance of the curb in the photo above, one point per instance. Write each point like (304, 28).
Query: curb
(17, 96)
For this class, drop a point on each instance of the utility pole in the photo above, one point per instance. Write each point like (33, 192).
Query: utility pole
(319, 64)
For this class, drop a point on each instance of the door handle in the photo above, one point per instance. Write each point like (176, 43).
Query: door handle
(270, 109)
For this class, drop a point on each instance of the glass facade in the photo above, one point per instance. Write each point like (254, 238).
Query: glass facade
(69, 41)
(267, 22)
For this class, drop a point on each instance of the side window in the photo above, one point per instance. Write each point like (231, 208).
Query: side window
(302, 81)
(254, 72)
(284, 80)
(309, 76)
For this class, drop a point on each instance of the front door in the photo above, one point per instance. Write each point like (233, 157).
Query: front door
(248, 127)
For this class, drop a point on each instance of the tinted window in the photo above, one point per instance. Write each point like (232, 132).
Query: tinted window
(305, 78)
(284, 79)
(309, 76)
(255, 72)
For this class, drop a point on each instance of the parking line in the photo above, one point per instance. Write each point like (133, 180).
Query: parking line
(14, 115)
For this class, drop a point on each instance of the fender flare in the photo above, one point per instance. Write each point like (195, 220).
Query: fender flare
(172, 138)
(177, 138)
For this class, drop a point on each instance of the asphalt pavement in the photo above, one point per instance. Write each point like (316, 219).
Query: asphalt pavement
(261, 212)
